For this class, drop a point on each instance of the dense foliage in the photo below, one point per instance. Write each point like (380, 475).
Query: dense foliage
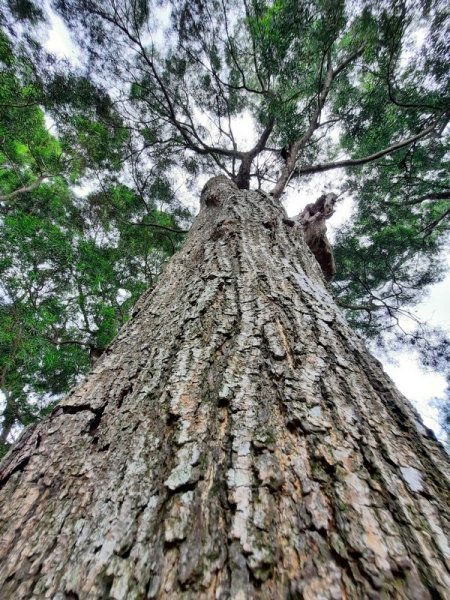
(360, 89)
(71, 267)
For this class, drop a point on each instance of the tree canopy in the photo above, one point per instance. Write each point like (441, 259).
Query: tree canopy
(268, 93)
(71, 268)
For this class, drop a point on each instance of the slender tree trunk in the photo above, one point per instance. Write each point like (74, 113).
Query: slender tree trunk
(235, 441)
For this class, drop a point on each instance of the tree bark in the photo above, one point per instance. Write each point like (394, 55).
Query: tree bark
(235, 441)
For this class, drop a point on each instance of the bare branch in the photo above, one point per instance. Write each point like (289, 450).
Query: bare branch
(242, 179)
(366, 307)
(430, 196)
(186, 130)
(354, 162)
(156, 225)
(25, 189)
(299, 144)
(429, 228)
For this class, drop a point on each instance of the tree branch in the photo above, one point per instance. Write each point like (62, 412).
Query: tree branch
(164, 227)
(430, 196)
(429, 228)
(354, 162)
(167, 105)
(242, 179)
(299, 144)
(25, 189)
(366, 307)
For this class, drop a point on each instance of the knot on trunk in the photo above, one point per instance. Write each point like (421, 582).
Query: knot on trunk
(313, 220)
(216, 190)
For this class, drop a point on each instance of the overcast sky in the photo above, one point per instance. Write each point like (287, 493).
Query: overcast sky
(420, 386)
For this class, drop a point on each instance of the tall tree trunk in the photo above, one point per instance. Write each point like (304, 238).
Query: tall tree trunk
(235, 441)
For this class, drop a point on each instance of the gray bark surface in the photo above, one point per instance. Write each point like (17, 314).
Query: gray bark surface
(235, 441)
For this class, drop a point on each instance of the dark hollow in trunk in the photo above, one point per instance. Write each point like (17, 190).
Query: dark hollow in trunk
(235, 441)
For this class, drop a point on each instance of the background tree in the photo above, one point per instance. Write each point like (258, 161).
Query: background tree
(391, 251)
(71, 268)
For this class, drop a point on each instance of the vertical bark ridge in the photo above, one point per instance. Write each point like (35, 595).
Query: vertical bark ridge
(235, 441)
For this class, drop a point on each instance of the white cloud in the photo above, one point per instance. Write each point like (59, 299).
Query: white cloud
(59, 41)
(435, 310)
(420, 386)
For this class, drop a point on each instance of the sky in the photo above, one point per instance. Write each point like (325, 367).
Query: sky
(421, 386)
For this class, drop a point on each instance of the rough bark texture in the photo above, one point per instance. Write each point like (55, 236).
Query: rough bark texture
(235, 441)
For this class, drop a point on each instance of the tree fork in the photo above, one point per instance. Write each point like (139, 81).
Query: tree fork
(235, 441)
